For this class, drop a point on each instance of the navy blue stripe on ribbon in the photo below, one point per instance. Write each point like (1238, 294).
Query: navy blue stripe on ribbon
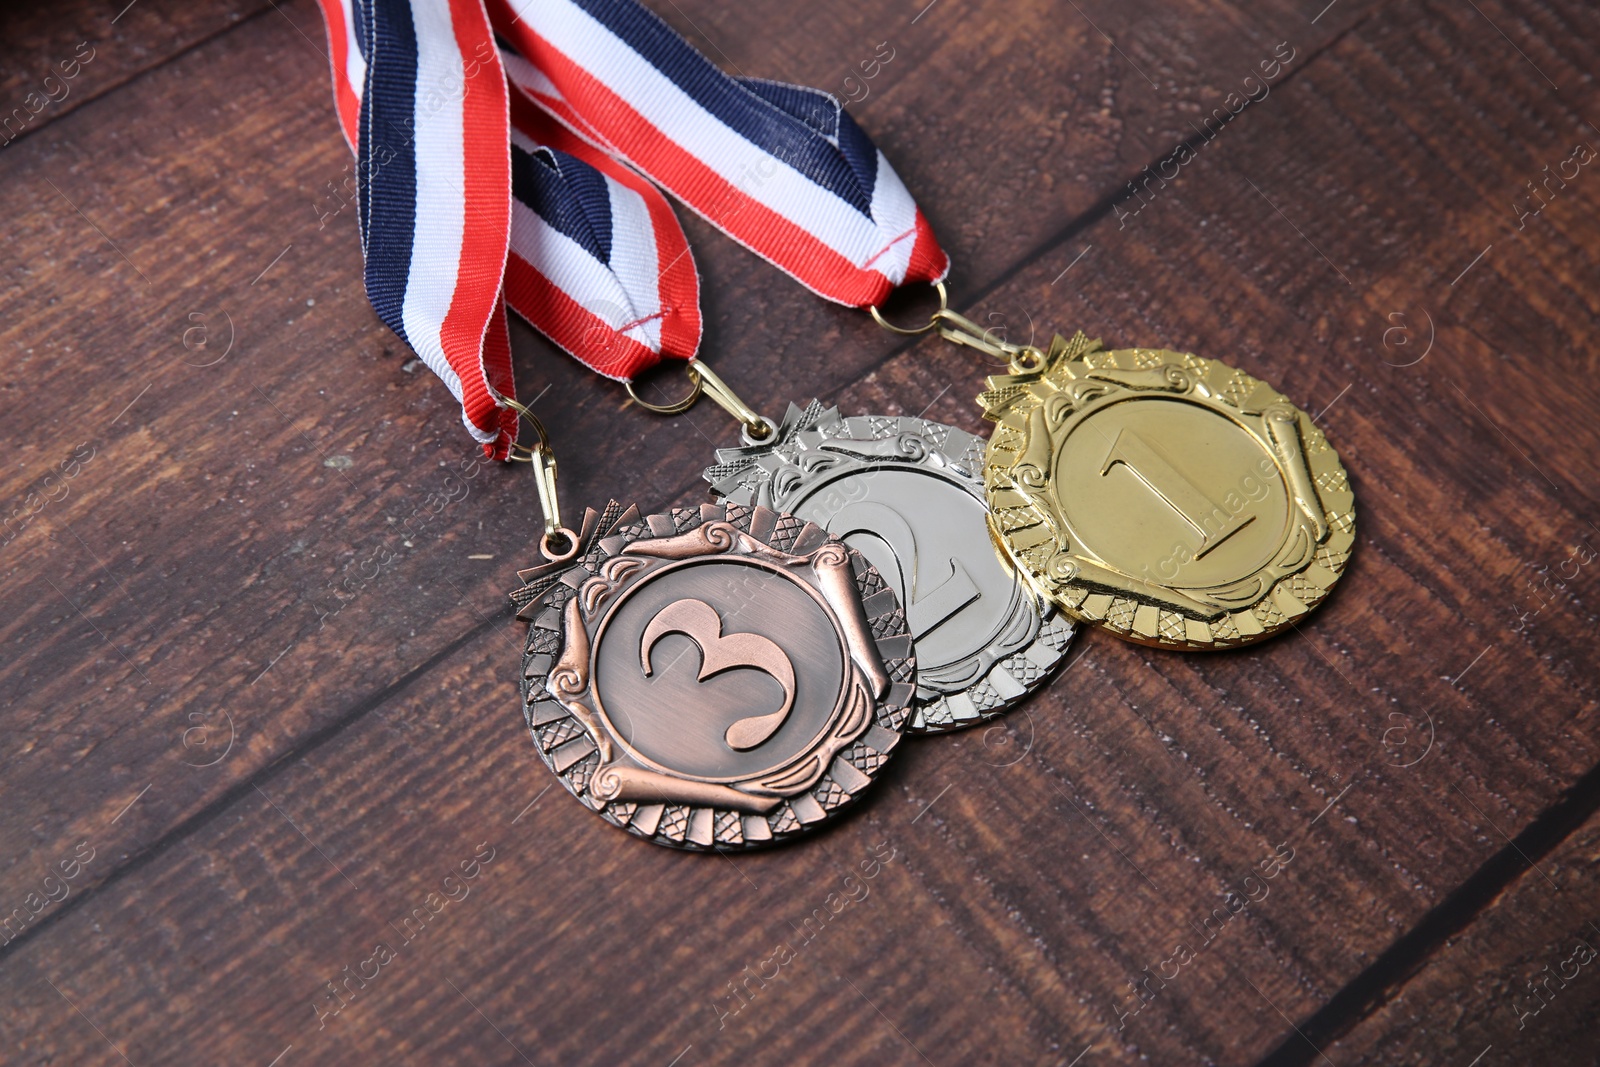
(821, 112)
(568, 194)
(358, 21)
(363, 21)
(388, 156)
(791, 136)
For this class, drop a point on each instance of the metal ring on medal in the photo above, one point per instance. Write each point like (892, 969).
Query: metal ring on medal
(715, 677)
(905, 492)
(1172, 499)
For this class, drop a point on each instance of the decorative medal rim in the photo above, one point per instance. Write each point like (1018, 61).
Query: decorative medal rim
(1002, 680)
(1080, 378)
(851, 754)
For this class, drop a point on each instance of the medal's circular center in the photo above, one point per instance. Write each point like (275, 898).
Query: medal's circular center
(916, 526)
(1171, 492)
(719, 669)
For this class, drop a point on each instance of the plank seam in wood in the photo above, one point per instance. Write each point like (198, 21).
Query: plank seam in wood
(1384, 978)
(59, 113)
(215, 809)
(1092, 215)
(1102, 207)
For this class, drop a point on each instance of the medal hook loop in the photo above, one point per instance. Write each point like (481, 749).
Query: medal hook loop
(558, 542)
(704, 381)
(958, 329)
(756, 427)
(676, 407)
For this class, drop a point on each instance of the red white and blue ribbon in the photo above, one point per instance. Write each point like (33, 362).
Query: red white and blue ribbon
(423, 100)
(599, 263)
(544, 196)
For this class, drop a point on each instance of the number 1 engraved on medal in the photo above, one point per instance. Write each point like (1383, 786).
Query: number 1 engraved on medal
(1241, 466)
(1176, 491)
(720, 652)
(926, 609)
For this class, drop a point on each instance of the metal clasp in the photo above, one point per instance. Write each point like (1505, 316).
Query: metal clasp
(756, 427)
(958, 329)
(558, 542)
(703, 380)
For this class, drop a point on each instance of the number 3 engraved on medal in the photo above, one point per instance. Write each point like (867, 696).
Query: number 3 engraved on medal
(926, 609)
(720, 652)
(1180, 494)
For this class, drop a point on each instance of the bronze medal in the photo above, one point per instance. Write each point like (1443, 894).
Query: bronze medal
(1172, 499)
(906, 493)
(721, 677)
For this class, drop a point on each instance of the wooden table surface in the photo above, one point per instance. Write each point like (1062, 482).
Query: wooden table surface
(239, 755)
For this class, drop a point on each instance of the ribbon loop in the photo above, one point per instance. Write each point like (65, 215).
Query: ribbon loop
(524, 172)
(599, 263)
(782, 169)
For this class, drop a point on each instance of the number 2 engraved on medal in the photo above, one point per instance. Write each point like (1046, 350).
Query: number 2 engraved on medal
(926, 609)
(720, 652)
(1176, 491)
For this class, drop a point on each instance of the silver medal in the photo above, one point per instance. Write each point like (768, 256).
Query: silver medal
(908, 495)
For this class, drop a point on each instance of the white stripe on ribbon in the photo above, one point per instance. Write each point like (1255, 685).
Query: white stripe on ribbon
(569, 266)
(616, 297)
(355, 67)
(896, 212)
(757, 175)
(634, 259)
(529, 78)
(441, 201)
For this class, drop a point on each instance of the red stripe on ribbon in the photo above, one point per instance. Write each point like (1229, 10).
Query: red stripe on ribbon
(721, 203)
(676, 279)
(346, 102)
(572, 326)
(497, 367)
(476, 310)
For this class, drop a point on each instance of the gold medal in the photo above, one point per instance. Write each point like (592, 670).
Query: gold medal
(1174, 500)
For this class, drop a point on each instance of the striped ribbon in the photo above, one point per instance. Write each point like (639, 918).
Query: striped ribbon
(511, 154)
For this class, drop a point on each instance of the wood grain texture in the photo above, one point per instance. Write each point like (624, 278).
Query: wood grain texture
(54, 58)
(176, 219)
(1518, 986)
(1376, 763)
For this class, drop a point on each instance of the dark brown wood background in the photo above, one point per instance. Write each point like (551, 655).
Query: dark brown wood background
(267, 778)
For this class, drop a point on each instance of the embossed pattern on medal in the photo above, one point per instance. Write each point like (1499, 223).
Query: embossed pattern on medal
(780, 702)
(984, 639)
(1100, 454)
